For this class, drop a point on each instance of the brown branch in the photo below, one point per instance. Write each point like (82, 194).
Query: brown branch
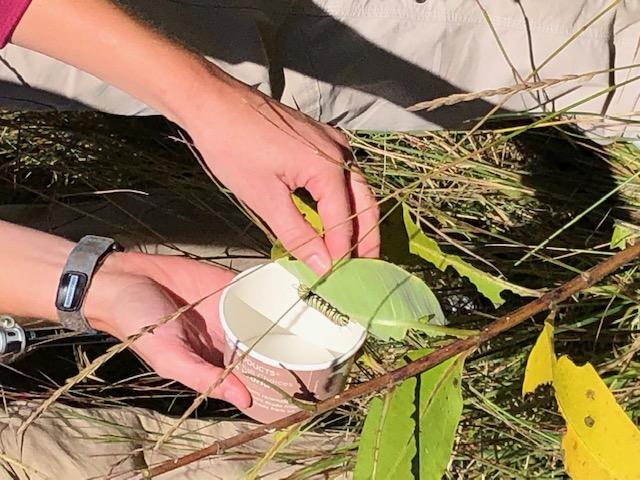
(547, 301)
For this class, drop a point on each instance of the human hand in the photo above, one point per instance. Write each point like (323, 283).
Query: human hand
(132, 291)
(263, 151)
(259, 148)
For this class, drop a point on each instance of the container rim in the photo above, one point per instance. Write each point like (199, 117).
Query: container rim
(232, 340)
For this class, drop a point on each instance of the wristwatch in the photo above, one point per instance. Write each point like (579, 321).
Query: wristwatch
(83, 261)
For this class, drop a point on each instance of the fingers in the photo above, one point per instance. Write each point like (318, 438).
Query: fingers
(297, 236)
(192, 371)
(340, 194)
(367, 218)
(334, 207)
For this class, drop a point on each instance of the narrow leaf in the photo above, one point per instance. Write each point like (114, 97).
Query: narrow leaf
(434, 399)
(429, 250)
(281, 440)
(439, 411)
(387, 443)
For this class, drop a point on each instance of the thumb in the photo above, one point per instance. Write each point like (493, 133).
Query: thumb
(295, 233)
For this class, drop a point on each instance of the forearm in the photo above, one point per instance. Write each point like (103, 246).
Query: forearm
(98, 37)
(31, 263)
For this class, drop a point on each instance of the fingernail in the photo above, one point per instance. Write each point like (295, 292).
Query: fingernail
(237, 398)
(319, 263)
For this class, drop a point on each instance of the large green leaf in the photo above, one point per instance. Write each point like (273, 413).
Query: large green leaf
(487, 285)
(391, 439)
(381, 296)
(439, 409)
(387, 443)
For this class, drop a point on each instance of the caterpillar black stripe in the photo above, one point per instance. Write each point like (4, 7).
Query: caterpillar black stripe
(320, 304)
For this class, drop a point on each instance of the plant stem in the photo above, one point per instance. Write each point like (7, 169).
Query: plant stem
(502, 324)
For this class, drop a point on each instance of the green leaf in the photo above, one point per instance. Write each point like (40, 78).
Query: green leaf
(439, 411)
(391, 439)
(381, 296)
(487, 285)
(430, 329)
(387, 443)
(623, 233)
(281, 440)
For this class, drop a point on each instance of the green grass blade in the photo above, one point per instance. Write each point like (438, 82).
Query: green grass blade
(577, 218)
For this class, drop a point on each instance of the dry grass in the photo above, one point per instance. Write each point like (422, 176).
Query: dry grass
(491, 208)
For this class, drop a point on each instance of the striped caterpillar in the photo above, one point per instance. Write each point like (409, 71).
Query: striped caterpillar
(320, 304)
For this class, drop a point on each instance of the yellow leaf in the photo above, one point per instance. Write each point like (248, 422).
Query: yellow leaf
(578, 461)
(597, 425)
(541, 361)
(601, 442)
(309, 213)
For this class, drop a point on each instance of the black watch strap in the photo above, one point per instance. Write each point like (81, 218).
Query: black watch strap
(82, 263)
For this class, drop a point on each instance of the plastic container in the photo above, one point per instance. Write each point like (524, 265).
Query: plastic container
(279, 344)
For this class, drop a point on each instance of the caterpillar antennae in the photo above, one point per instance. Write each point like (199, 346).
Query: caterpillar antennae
(318, 303)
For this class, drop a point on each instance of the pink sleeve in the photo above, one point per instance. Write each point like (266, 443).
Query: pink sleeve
(11, 12)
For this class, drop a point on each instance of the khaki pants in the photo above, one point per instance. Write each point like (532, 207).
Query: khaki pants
(82, 444)
(360, 63)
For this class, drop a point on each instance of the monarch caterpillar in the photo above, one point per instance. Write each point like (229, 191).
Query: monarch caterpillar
(320, 304)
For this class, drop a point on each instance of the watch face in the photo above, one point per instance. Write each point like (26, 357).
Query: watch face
(71, 291)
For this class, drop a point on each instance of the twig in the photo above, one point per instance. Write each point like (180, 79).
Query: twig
(547, 301)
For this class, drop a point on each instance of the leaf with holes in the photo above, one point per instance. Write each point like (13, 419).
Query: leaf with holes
(600, 438)
(488, 285)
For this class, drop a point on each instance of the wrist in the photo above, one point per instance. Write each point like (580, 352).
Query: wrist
(37, 260)
(210, 100)
(189, 98)
(195, 117)
(111, 280)
(28, 289)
